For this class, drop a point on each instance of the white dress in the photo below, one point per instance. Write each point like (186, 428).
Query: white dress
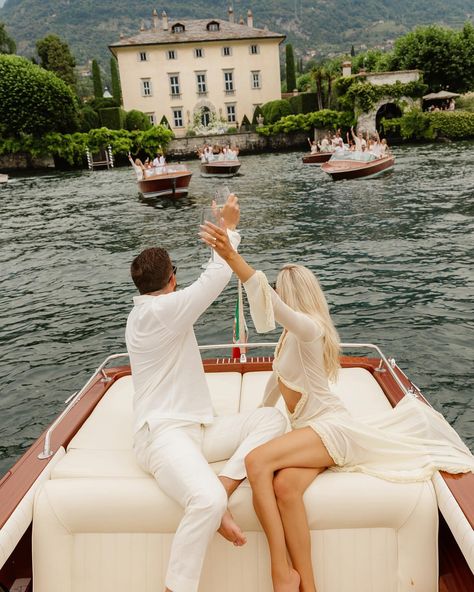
(408, 443)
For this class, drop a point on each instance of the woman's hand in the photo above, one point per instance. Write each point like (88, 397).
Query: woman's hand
(216, 238)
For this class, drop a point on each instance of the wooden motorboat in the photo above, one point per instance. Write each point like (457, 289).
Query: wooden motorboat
(220, 168)
(3, 178)
(170, 181)
(345, 166)
(317, 158)
(78, 513)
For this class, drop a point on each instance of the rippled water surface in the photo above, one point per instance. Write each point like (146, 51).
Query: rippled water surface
(394, 255)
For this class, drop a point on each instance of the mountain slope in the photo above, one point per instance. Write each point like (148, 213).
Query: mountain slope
(321, 25)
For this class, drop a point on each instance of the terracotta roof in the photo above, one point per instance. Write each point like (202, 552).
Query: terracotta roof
(196, 31)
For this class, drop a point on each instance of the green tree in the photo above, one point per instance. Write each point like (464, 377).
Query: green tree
(137, 120)
(290, 68)
(114, 75)
(444, 55)
(7, 44)
(352, 51)
(56, 57)
(33, 100)
(97, 80)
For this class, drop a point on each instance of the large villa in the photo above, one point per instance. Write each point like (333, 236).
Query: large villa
(188, 69)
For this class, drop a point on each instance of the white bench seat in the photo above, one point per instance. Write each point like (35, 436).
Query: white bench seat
(106, 522)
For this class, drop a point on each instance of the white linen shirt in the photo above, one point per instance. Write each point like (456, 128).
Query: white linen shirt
(167, 372)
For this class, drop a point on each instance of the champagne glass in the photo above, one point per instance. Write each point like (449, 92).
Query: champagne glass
(213, 214)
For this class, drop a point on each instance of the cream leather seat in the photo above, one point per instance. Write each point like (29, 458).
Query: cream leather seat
(101, 523)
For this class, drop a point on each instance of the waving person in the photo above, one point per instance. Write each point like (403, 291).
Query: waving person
(407, 443)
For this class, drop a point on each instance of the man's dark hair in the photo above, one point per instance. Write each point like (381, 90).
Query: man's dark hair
(151, 270)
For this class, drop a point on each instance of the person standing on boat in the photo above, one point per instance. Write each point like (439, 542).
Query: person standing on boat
(406, 444)
(176, 433)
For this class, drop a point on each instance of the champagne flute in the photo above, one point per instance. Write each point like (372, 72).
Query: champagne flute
(213, 214)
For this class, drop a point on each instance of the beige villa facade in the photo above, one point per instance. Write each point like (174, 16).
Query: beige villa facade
(199, 69)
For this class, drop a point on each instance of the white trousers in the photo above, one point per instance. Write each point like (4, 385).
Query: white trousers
(178, 454)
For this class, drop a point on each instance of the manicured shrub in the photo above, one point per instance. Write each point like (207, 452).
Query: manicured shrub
(33, 100)
(137, 120)
(112, 118)
(275, 110)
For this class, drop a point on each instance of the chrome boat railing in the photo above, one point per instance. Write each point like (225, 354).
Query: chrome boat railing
(385, 363)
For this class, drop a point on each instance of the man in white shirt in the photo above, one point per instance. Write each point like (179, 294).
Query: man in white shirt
(176, 434)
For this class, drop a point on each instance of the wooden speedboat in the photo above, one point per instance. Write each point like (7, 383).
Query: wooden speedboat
(78, 513)
(171, 181)
(3, 178)
(345, 166)
(316, 158)
(220, 168)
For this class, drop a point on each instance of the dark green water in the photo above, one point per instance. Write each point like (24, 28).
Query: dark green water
(394, 255)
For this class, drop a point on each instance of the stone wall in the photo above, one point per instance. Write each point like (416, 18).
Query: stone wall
(404, 76)
(247, 142)
(367, 121)
(24, 161)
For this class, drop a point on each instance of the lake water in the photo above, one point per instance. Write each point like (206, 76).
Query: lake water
(394, 256)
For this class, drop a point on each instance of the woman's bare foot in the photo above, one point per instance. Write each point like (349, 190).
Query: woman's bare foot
(289, 583)
(231, 531)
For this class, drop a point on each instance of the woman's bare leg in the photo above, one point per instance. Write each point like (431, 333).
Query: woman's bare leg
(289, 486)
(299, 448)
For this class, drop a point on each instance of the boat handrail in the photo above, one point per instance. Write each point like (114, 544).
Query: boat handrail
(389, 363)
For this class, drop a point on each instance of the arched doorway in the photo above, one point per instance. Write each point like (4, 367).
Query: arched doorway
(387, 111)
(205, 116)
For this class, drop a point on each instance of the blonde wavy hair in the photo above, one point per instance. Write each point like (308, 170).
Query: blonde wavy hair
(299, 288)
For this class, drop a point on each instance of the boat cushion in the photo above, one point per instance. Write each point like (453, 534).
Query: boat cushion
(109, 427)
(357, 388)
(384, 534)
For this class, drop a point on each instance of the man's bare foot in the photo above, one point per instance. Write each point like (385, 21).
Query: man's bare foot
(230, 531)
(290, 583)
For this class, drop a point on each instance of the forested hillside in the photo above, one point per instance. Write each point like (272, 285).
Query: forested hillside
(311, 25)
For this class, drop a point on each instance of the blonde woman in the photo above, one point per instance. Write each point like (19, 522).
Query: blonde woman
(407, 443)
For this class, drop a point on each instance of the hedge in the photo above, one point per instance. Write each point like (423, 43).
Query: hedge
(418, 125)
(275, 110)
(324, 119)
(72, 147)
(112, 118)
(303, 103)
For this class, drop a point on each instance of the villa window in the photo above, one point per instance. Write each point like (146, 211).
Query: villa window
(172, 54)
(146, 87)
(199, 52)
(174, 85)
(231, 114)
(177, 28)
(227, 51)
(254, 49)
(213, 26)
(201, 83)
(178, 117)
(229, 82)
(152, 118)
(256, 80)
(143, 56)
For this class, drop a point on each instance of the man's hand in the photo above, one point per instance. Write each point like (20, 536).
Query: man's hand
(231, 212)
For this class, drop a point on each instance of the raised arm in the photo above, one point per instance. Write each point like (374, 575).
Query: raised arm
(265, 304)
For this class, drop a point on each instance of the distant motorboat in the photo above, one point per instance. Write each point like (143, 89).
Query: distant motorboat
(166, 181)
(3, 178)
(220, 168)
(350, 165)
(317, 158)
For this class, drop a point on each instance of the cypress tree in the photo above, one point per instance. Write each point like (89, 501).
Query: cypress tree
(352, 51)
(290, 69)
(114, 73)
(97, 80)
